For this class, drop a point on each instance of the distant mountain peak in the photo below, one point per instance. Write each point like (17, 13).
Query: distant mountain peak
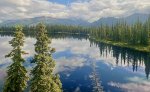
(46, 20)
(75, 21)
(129, 19)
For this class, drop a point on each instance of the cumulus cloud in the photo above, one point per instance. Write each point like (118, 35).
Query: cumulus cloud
(69, 64)
(10, 9)
(89, 10)
(95, 9)
(136, 84)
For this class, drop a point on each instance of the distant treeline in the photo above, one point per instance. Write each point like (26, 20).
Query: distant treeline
(135, 34)
(51, 29)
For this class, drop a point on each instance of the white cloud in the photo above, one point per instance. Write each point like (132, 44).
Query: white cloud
(10, 9)
(90, 10)
(95, 9)
(69, 64)
(136, 84)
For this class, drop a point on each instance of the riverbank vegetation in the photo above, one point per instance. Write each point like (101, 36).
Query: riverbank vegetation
(135, 36)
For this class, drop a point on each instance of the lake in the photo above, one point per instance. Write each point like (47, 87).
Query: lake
(85, 65)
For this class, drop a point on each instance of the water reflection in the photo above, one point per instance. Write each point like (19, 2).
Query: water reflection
(125, 56)
(118, 69)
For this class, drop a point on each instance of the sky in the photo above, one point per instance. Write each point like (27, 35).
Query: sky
(88, 10)
(65, 2)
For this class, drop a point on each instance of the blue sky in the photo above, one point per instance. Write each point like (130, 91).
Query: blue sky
(66, 2)
(62, 1)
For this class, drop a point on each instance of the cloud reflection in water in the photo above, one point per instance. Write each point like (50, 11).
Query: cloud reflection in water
(73, 59)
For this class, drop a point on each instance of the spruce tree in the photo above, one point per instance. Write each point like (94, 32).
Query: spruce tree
(43, 79)
(16, 74)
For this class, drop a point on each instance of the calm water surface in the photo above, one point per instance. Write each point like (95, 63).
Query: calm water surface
(85, 66)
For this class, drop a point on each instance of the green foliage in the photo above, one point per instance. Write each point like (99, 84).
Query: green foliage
(16, 74)
(43, 79)
(136, 34)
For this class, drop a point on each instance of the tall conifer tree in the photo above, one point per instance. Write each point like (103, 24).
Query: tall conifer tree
(16, 74)
(43, 79)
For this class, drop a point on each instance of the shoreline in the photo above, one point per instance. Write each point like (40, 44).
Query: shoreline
(119, 44)
(125, 45)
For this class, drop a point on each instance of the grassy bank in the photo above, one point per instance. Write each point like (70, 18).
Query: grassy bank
(125, 45)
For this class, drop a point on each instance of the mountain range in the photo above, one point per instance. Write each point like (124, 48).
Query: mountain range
(78, 22)
(129, 19)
